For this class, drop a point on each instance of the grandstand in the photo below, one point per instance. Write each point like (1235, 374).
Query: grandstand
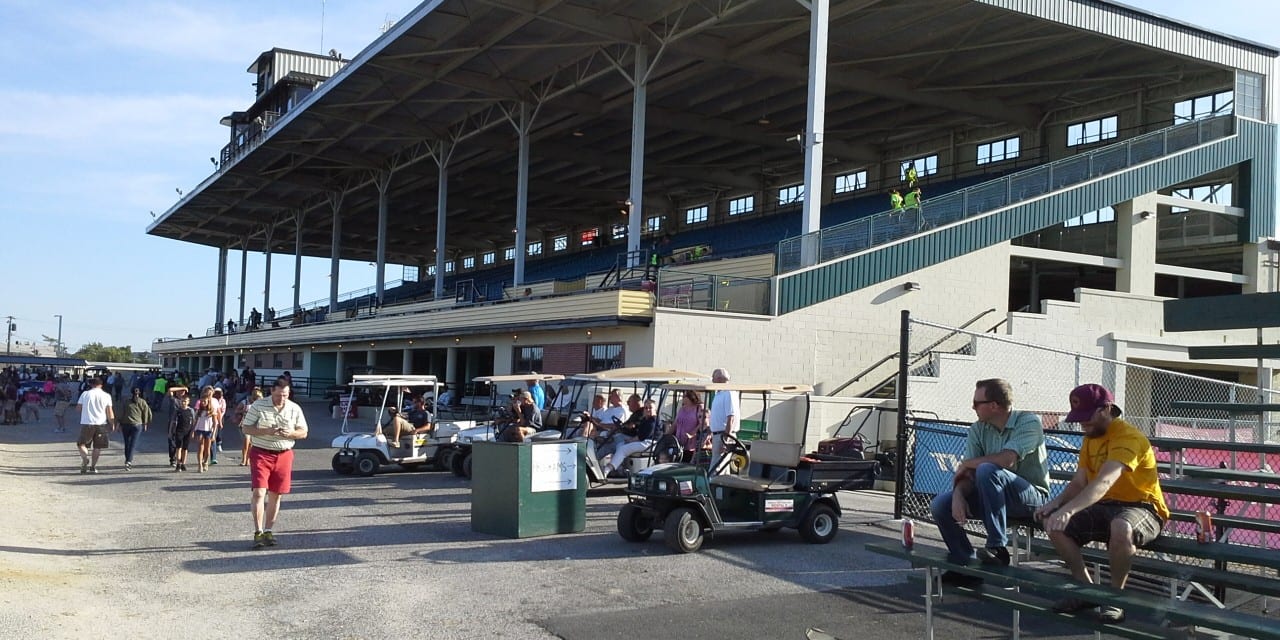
(1079, 159)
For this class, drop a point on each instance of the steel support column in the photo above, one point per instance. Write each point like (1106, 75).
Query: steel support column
(640, 81)
(442, 207)
(522, 191)
(298, 218)
(219, 323)
(383, 182)
(244, 270)
(815, 117)
(266, 285)
(335, 248)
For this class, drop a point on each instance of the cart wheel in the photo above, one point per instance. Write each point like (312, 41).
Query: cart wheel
(367, 464)
(466, 466)
(444, 459)
(455, 463)
(820, 524)
(341, 466)
(682, 530)
(634, 524)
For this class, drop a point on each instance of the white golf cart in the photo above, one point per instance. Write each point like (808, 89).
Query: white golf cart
(646, 382)
(456, 454)
(365, 450)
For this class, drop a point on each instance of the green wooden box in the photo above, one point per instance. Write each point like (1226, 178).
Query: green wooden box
(521, 490)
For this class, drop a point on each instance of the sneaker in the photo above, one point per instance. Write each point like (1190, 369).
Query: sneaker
(219, 448)
(998, 556)
(1072, 605)
(213, 462)
(1110, 615)
(182, 466)
(84, 467)
(93, 470)
(269, 538)
(957, 579)
(259, 540)
(128, 466)
(176, 468)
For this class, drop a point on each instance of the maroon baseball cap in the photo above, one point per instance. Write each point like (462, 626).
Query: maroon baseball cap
(1086, 399)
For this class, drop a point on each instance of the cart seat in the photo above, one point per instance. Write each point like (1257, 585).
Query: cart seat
(759, 485)
(773, 468)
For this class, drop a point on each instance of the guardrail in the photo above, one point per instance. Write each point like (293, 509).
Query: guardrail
(888, 226)
(711, 292)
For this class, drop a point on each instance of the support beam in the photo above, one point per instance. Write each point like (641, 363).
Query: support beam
(443, 153)
(635, 198)
(335, 249)
(1136, 244)
(815, 119)
(298, 218)
(219, 323)
(266, 285)
(522, 191)
(383, 182)
(244, 270)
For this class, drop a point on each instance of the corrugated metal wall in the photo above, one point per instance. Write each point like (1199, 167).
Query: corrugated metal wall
(286, 62)
(1254, 143)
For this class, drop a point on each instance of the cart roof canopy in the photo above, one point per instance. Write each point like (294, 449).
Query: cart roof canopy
(391, 381)
(739, 387)
(640, 374)
(518, 377)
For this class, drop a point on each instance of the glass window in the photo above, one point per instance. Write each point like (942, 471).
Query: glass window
(618, 231)
(469, 262)
(790, 195)
(696, 215)
(851, 182)
(533, 248)
(489, 257)
(277, 360)
(739, 206)
(448, 267)
(409, 274)
(431, 270)
(653, 224)
(257, 360)
(1217, 104)
(588, 237)
(509, 254)
(1105, 214)
(526, 359)
(1249, 95)
(296, 361)
(560, 243)
(925, 166)
(999, 150)
(603, 357)
(1091, 131)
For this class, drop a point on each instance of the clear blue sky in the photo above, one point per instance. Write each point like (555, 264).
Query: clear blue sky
(109, 106)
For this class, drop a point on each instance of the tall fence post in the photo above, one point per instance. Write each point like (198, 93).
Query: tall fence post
(1077, 359)
(900, 472)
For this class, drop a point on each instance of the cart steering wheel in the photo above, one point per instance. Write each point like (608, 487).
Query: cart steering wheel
(732, 447)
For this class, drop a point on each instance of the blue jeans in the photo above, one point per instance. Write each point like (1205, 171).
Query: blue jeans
(130, 433)
(997, 495)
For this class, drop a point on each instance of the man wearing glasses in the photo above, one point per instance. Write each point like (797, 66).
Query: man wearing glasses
(1003, 475)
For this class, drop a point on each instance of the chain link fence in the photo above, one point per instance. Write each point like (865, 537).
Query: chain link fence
(945, 362)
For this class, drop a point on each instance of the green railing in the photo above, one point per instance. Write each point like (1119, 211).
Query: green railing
(888, 226)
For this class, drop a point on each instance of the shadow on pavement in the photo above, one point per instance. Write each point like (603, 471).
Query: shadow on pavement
(256, 560)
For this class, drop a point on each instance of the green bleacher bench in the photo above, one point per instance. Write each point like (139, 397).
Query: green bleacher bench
(1231, 475)
(1052, 586)
(1233, 408)
(1210, 489)
(1182, 444)
(1230, 522)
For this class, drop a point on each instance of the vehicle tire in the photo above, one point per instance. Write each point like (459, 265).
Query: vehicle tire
(444, 459)
(341, 466)
(682, 530)
(820, 524)
(455, 463)
(367, 464)
(634, 524)
(466, 466)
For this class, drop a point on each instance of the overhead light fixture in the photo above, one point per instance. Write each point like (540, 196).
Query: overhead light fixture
(1147, 215)
(577, 133)
(764, 120)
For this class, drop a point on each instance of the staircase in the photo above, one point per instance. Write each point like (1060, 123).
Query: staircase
(886, 245)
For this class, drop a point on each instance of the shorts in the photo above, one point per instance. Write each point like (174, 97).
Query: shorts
(60, 409)
(270, 470)
(1094, 523)
(93, 434)
(181, 439)
(203, 435)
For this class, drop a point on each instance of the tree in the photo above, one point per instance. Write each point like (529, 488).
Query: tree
(97, 352)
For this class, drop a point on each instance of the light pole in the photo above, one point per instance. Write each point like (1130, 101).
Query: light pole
(57, 350)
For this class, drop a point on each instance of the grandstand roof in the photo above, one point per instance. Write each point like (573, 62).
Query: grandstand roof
(726, 94)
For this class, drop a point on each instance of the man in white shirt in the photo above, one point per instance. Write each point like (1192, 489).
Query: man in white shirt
(96, 413)
(724, 417)
(601, 418)
(275, 423)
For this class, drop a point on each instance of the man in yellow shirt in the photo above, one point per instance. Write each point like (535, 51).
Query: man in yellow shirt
(1114, 496)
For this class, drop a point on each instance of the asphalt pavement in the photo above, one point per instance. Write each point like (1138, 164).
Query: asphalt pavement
(150, 553)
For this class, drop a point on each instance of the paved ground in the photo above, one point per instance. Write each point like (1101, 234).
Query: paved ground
(149, 553)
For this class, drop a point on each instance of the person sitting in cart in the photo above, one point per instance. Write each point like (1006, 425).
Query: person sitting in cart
(419, 416)
(526, 419)
(635, 435)
(601, 416)
(616, 434)
(399, 427)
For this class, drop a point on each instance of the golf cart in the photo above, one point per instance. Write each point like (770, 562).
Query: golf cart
(647, 382)
(779, 490)
(364, 451)
(456, 454)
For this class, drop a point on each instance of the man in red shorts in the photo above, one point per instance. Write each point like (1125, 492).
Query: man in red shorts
(275, 423)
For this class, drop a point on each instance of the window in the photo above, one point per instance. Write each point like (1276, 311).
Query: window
(603, 357)
(431, 270)
(409, 274)
(257, 360)
(509, 254)
(653, 224)
(851, 182)
(739, 206)
(1092, 131)
(533, 248)
(1213, 193)
(790, 195)
(469, 262)
(560, 243)
(1249, 95)
(696, 215)
(618, 231)
(588, 237)
(525, 359)
(448, 267)
(296, 361)
(1215, 104)
(999, 150)
(1105, 214)
(489, 257)
(925, 166)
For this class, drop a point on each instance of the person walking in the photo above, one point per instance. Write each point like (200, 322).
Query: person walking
(96, 413)
(242, 409)
(219, 412)
(276, 424)
(63, 394)
(181, 426)
(204, 428)
(137, 418)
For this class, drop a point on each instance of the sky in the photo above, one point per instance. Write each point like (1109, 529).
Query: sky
(106, 108)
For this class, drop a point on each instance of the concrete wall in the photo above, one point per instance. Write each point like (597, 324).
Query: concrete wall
(827, 343)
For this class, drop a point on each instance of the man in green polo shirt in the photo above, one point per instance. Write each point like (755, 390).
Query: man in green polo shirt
(1003, 475)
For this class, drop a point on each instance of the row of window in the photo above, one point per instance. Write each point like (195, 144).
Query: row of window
(600, 357)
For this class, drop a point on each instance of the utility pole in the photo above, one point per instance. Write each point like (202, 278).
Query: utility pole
(57, 350)
(8, 335)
